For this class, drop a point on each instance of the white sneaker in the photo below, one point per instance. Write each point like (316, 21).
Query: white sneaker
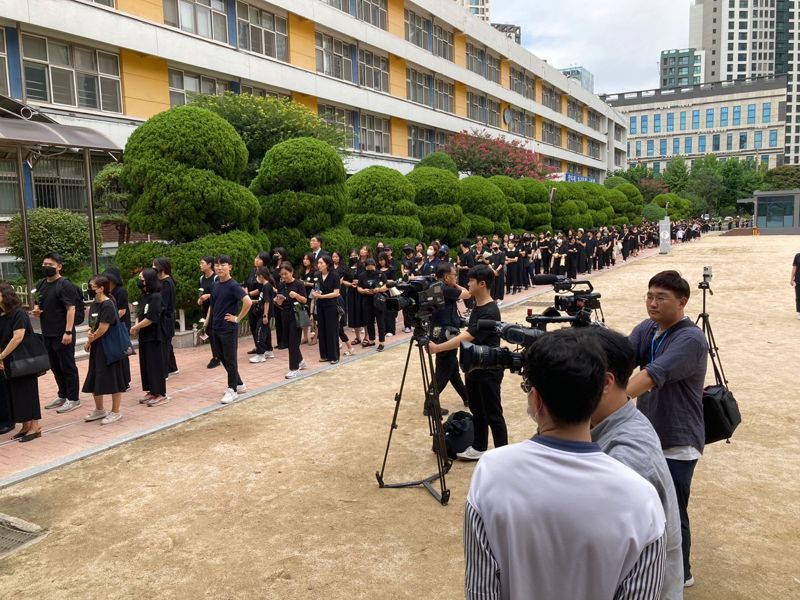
(258, 358)
(390, 334)
(95, 415)
(241, 389)
(229, 396)
(688, 582)
(293, 374)
(268, 354)
(470, 454)
(303, 365)
(68, 406)
(111, 417)
(58, 402)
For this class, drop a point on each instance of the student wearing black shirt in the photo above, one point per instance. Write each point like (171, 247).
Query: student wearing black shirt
(291, 293)
(545, 251)
(512, 266)
(390, 273)
(56, 309)
(152, 367)
(345, 290)
(163, 267)
(260, 308)
(253, 289)
(483, 386)
(207, 280)
(279, 256)
(371, 284)
(119, 294)
(498, 265)
(573, 254)
(308, 276)
(466, 260)
(326, 297)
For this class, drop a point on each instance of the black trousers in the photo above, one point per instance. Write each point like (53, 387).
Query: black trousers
(263, 336)
(280, 336)
(682, 472)
(797, 296)
(291, 338)
(483, 391)
(62, 362)
(447, 371)
(152, 367)
(212, 341)
(390, 321)
(228, 342)
(371, 316)
(254, 321)
(328, 330)
(169, 356)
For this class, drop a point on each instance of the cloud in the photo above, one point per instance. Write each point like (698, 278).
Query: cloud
(619, 41)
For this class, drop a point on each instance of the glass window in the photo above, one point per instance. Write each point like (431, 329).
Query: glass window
(262, 32)
(662, 147)
(638, 147)
(483, 108)
(670, 121)
(723, 116)
(522, 123)
(551, 134)
(743, 140)
(701, 144)
(695, 119)
(729, 142)
(445, 96)
(206, 18)
(522, 83)
(421, 141)
(575, 112)
(552, 100)
(709, 118)
(443, 43)
(758, 140)
(766, 112)
(375, 134)
(419, 30)
(372, 11)
(3, 64)
(343, 119)
(687, 145)
(184, 85)
(632, 126)
(676, 146)
(777, 211)
(574, 142)
(657, 168)
(594, 120)
(715, 143)
(373, 71)
(334, 57)
(737, 115)
(656, 123)
(643, 124)
(418, 87)
(683, 121)
(751, 114)
(651, 148)
(773, 138)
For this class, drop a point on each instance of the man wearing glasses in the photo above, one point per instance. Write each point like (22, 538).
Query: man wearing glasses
(672, 353)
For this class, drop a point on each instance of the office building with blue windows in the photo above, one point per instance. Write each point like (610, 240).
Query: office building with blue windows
(741, 119)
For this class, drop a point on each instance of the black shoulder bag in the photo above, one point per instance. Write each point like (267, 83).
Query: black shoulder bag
(720, 409)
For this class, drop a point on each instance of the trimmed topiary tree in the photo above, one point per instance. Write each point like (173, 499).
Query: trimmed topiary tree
(634, 212)
(182, 169)
(437, 194)
(653, 212)
(438, 160)
(537, 205)
(621, 205)
(515, 194)
(679, 208)
(483, 201)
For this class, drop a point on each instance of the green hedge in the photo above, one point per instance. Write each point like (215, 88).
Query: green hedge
(535, 192)
(438, 160)
(308, 212)
(370, 225)
(510, 187)
(434, 186)
(301, 165)
(653, 212)
(480, 197)
(480, 225)
(517, 215)
(379, 190)
(444, 222)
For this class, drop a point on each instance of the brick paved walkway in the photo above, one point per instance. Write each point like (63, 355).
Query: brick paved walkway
(195, 391)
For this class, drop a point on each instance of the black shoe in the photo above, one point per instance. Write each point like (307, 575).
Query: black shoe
(380, 348)
(253, 351)
(426, 411)
(213, 363)
(281, 347)
(30, 436)
(6, 429)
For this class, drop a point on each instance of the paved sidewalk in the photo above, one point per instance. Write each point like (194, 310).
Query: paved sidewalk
(195, 391)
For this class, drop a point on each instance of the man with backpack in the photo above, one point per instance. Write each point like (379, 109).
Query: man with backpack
(60, 309)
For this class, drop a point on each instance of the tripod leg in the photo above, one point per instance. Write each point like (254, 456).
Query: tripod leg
(435, 426)
(397, 397)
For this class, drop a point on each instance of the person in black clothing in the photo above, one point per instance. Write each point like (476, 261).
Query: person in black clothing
(573, 255)
(483, 386)
(309, 277)
(371, 284)
(21, 394)
(205, 284)
(326, 296)
(152, 366)
(498, 265)
(56, 308)
(261, 307)
(525, 253)
(119, 294)
(559, 253)
(591, 252)
(345, 291)
(103, 378)
(513, 279)
(582, 240)
(279, 256)
(544, 252)
(226, 296)
(253, 289)
(163, 266)
(390, 273)
(794, 281)
(448, 321)
(291, 293)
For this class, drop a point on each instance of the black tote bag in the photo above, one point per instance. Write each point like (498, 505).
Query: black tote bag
(29, 358)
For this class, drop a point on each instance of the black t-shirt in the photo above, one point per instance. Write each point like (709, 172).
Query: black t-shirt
(261, 303)
(327, 285)
(287, 308)
(448, 314)
(225, 299)
(54, 298)
(17, 319)
(150, 308)
(796, 263)
(120, 296)
(205, 286)
(168, 300)
(369, 280)
(488, 311)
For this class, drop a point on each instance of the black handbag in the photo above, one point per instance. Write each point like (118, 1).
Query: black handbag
(116, 343)
(720, 410)
(301, 317)
(29, 358)
(459, 433)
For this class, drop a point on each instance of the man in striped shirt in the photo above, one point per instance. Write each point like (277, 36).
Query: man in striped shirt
(554, 517)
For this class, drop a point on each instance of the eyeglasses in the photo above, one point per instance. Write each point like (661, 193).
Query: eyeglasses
(526, 386)
(657, 299)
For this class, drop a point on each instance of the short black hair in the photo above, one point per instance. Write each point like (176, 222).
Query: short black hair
(223, 259)
(620, 355)
(465, 243)
(209, 260)
(326, 258)
(672, 281)
(317, 237)
(568, 370)
(444, 268)
(264, 272)
(481, 273)
(287, 266)
(54, 256)
(163, 264)
(152, 283)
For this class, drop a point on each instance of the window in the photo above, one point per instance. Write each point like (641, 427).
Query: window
(492, 68)
(758, 140)
(445, 96)
(729, 142)
(184, 85)
(340, 118)
(552, 99)
(574, 142)
(743, 140)
(737, 115)
(765, 160)
(594, 149)
(650, 147)
(701, 144)
(373, 71)
(723, 116)
(551, 134)
(334, 57)
(777, 211)
(709, 118)
(262, 32)
(715, 143)
(262, 93)
(687, 145)
(656, 123)
(421, 141)
(670, 121)
(662, 147)
(683, 121)
(483, 63)
(643, 124)
(751, 114)
(594, 120)
(484, 109)
(695, 119)
(375, 134)
(638, 147)
(575, 112)
(521, 123)
(418, 87)
(206, 18)
(632, 126)
(3, 65)
(443, 43)
(773, 138)
(522, 84)
(58, 183)
(61, 73)
(766, 112)
(676, 145)
(419, 30)
(372, 11)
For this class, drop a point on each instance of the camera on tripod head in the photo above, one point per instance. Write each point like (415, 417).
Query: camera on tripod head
(421, 295)
(474, 357)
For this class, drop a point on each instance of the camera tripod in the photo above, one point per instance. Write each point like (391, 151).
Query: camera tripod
(433, 410)
(705, 324)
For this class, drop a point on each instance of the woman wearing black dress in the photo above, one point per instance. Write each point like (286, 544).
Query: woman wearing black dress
(22, 392)
(308, 277)
(326, 297)
(163, 266)
(290, 293)
(152, 366)
(573, 252)
(103, 378)
(370, 284)
(512, 266)
(119, 294)
(390, 273)
(253, 289)
(498, 264)
(346, 290)
(279, 256)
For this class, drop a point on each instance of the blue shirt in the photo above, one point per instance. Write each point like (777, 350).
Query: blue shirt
(225, 299)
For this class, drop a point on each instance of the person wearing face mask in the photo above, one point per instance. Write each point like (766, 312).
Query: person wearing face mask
(371, 283)
(279, 256)
(353, 299)
(545, 251)
(559, 266)
(431, 262)
(152, 367)
(163, 266)
(56, 308)
(498, 265)
(253, 288)
(291, 292)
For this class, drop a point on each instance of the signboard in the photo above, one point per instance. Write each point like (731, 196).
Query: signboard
(571, 177)
(664, 236)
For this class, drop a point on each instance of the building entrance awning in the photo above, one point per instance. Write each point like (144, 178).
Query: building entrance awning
(33, 134)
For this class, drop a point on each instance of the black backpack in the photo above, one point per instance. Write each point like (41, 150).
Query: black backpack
(73, 292)
(458, 433)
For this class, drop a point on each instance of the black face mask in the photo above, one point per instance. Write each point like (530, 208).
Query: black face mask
(91, 293)
(140, 284)
(48, 271)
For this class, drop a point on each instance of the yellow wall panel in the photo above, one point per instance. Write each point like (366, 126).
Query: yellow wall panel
(397, 76)
(538, 90)
(301, 43)
(460, 49)
(505, 73)
(538, 122)
(563, 166)
(145, 84)
(461, 99)
(564, 100)
(152, 10)
(395, 18)
(310, 102)
(399, 137)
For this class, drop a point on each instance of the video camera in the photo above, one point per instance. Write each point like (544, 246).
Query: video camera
(421, 295)
(474, 357)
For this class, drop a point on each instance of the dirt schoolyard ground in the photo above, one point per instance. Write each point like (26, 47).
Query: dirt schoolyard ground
(276, 497)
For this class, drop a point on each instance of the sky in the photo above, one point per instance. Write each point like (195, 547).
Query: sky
(619, 41)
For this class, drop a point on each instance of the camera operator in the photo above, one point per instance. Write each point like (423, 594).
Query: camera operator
(483, 386)
(556, 501)
(448, 323)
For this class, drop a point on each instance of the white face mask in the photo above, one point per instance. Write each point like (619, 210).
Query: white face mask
(430, 251)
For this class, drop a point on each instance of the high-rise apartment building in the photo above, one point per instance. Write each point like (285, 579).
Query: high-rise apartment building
(582, 75)
(680, 68)
(479, 8)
